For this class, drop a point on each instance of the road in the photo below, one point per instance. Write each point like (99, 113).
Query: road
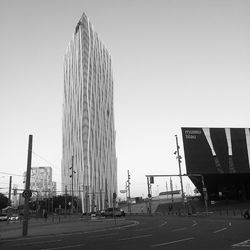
(155, 232)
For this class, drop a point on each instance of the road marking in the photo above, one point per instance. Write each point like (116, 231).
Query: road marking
(163, 224)
(223, 229)
(137, 237)
(245, 243)
(179, 229)
(36, 242)
(143, 229)
(171, 242)
(54, 248)
(102, 235)
(195, 223)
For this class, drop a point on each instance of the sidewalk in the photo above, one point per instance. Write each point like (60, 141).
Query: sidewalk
(72, 225)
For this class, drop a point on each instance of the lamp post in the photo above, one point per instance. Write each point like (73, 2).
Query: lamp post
(128, 197)
(178, 157)
(71, 176)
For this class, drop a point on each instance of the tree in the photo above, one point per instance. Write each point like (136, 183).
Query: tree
(4, 201)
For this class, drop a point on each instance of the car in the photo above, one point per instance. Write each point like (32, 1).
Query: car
(246, 214)
(114, 212)
(14, 217)
(93, 214)
(122, 212)
(3, 217)
(100, 213)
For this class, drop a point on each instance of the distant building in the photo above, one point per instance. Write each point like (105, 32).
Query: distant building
(41, 182)
(88, 120)
(170, 195)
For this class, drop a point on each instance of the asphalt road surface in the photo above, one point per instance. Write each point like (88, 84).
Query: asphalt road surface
(150, 233)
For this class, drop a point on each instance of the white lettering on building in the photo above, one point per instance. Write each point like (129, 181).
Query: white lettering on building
(191, 134)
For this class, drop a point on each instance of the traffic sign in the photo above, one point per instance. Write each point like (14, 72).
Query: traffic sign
(27, 194)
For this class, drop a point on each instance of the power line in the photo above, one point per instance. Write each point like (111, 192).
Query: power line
(42, 158)
(11, 174)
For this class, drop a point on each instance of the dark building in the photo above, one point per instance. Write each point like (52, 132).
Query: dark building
(221, 156)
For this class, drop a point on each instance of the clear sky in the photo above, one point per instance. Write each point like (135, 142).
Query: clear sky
(175, 64)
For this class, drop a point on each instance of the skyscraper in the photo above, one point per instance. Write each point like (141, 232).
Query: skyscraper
(88, 120)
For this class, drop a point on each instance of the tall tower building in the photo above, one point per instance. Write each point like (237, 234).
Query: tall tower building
(88, 120)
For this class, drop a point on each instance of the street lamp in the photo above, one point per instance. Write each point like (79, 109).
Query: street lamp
(178, 157)
(71, 176)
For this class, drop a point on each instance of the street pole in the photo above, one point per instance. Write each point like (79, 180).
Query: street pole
(65, 201)
(204, 189)
(179, 164)
(72, 186)
(72, 199)
(27, 188)
(129, 205)
(126, 188)
(149, 196)
(10, 183)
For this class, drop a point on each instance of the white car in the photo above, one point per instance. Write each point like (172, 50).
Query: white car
(3, 217)
(14, 217)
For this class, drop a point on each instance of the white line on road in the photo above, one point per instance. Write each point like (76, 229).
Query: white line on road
(102, 235)
(171, 242)
(69, 246)
(220, 230)
(245, 243)
(144, 229)
(179, 229)
(195, 223)
(163, 224)
(36, 242)
(137, 237)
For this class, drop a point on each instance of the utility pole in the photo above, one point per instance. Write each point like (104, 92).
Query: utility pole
(149, 195)
(172, 195)
(10, 183)
(71, 176)
(126, 188)
(204, 189)
(167, 188)
(129, 205)
(27, 193)
(179, 164)
(65, 201)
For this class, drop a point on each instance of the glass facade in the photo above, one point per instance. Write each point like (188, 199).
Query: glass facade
(88, 120)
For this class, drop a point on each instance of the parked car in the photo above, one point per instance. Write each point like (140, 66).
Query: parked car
(114, 212)
(14, 217)
(100, 213)
(3, 217)
(122, 212)
(247, 214)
